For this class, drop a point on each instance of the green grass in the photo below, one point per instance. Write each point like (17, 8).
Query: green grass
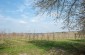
(69, 46)
(15, 47)
(41, 47)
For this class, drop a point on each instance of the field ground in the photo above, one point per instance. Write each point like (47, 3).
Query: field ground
(41, 47)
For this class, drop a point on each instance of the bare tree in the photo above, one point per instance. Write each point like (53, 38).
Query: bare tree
(72, 12)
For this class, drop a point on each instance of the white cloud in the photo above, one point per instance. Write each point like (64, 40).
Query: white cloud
(24, 16)
(39, 18)
(6, 19)
(23, 22)
(33, 20)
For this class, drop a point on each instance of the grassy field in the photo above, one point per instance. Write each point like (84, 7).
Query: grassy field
(23, 46)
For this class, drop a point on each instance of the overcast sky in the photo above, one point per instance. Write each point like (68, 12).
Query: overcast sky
(19, 16)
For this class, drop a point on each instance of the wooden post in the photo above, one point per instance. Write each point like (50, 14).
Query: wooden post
(37, 36)
(29, 37)
(47, 37)
(75, 36)
(41, 36)
(53, 36)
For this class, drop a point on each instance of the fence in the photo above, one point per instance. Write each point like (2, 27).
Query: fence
(79, 36)
(45, 36)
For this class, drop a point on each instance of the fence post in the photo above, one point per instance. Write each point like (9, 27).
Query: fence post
(33, 36)
(75, 36)
(29, 37)
(47, 37)
(41, 36)
(53, 36)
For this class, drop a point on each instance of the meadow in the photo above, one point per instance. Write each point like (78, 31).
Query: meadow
(20, 45)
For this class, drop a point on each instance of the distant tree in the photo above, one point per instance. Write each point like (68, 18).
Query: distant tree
(72, 12)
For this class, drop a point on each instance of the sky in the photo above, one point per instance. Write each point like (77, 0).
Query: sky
(20, 16)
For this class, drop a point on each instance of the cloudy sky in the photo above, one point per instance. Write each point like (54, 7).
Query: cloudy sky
(19, 16)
